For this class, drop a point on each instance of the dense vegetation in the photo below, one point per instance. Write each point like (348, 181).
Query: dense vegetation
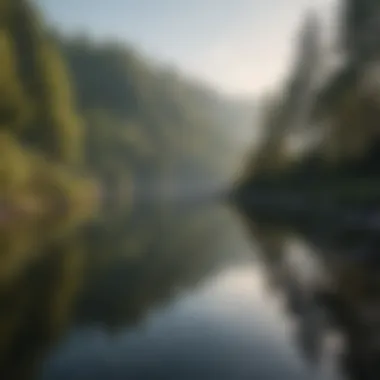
(93, 132)
(95, 125)
(333, 111)
(326, 193)
(143, 123)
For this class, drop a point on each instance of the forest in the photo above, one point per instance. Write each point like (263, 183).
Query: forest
(91, 130)
(95, 138)
(319, 129)
(95, 141)
(315, 178)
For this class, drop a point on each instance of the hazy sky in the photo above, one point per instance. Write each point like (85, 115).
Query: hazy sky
(239, 46)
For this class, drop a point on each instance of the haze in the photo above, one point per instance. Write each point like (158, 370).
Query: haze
(240, 47)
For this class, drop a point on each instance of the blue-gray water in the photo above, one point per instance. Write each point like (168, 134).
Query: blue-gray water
(225, 325)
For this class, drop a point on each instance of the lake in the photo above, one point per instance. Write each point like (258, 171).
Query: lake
(175, 292)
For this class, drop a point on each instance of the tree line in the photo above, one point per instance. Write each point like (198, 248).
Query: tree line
(89, 132)
(328, 104)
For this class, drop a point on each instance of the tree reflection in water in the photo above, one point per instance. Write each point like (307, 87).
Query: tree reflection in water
(111, 275)
(341, 293)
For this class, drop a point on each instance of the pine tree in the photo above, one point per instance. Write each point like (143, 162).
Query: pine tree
(302, 82)
(359, 20)
(53, 126)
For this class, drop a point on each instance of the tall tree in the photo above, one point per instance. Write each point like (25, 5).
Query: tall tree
(49, 121)
(283, 117)
(360, 19)
(300, 87)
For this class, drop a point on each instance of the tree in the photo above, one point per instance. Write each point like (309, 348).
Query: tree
(49, 121)
(357, 16)
(302, 81)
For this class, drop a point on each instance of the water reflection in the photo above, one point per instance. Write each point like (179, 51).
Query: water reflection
(174, 292)
(326, 268)
(216, 331)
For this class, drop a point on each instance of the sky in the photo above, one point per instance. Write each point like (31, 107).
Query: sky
(240, 47)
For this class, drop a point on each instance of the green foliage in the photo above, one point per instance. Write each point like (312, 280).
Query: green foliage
(356, 16)
(13, 103)
(38, 86)
(343, 111)
(70, 108)
(40, 140)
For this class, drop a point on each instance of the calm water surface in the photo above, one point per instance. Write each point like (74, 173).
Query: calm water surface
(213, 319)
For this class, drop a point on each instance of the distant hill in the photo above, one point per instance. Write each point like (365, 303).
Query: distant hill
(177, 117)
